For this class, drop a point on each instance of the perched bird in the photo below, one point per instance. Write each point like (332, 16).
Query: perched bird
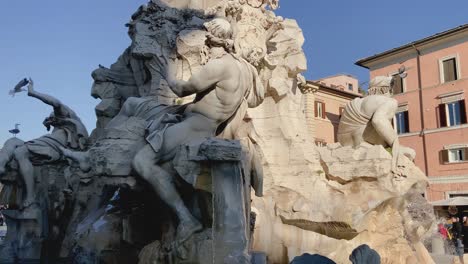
(15, 131)
(19, 87)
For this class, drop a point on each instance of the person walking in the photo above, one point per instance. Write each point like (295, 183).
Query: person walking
(457, 231)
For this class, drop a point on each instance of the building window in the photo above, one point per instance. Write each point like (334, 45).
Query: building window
(454, 155)
(453, 195)
(341, 110)
(350, 86)
(452, 114)
(398, 84)
(320, 109)
(401, 122)
(449, 70)
(320, 143)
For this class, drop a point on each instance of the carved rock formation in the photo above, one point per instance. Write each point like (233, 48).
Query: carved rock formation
(357, 200)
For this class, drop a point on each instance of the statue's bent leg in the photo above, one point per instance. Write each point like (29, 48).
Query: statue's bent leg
(80, 157)
(163, 183)
(128, 109)
(6, 154)
(26, 169)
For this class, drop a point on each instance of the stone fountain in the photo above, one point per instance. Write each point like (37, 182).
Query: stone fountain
(201, 154)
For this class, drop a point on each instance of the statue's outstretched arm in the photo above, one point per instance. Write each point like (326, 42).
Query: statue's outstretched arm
(382, 124)
(47, 99)
(207, 77)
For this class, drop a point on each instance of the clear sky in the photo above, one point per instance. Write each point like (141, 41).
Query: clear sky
(59, 43)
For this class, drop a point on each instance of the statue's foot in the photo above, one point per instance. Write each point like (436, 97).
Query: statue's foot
(408, 152)
(85, 166)
(411, 155)
(186, 229)
(182, 251)
(79, 157)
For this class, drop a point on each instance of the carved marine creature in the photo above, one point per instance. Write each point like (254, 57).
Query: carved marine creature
(19, 87)
(336, 230)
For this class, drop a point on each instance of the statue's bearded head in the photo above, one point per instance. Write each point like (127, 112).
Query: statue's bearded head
(381, 85)
(51, 121)
(255, 56)
(220, 34)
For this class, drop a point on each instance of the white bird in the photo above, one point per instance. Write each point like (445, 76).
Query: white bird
(19, 87)
(15, 131)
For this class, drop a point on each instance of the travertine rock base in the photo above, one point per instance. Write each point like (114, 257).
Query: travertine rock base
(356, 199)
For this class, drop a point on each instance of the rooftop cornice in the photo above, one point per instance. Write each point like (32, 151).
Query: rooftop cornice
(438, 36)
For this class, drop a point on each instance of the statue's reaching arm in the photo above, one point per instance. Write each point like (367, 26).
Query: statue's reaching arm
(47, 99)
(208, 76)
(382, 124)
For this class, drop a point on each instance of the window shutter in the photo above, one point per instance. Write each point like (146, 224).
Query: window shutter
(465, 152)
(335, 133)
(442, 115)
(462, 112)
(397, 84)
(444, 156)
(450, 72)
(315, 109)
(323, 111)
(407, 129)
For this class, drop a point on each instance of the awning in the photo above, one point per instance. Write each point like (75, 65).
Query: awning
(457, 201)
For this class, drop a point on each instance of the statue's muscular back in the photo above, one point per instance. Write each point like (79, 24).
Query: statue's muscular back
(382, 109)
(383, 103)
(221, 101)
(220, 87)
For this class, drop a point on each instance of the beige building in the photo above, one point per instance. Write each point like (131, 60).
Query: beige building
(324, 101)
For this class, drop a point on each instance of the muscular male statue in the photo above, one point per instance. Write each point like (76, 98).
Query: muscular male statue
(68, 132)
(224, 85)
(369, 119)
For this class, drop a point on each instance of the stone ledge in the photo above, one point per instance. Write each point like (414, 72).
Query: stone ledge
(215, 149)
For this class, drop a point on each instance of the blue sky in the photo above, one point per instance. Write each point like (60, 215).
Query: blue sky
(59, 43)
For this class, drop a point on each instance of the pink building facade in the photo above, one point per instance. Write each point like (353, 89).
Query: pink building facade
(432, 116)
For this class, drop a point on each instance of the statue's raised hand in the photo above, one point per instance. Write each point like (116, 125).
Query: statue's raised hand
(30, 86)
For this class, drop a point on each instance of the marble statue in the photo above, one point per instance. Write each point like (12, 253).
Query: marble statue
(68, 132)
(369, 119)
(220, 86)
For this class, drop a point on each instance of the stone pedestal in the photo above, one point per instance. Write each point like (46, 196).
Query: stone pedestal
(215, 188)
(230, 223)
(230, 188)
(25, 235)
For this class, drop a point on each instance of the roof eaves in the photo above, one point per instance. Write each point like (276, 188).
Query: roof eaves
(410, 45)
